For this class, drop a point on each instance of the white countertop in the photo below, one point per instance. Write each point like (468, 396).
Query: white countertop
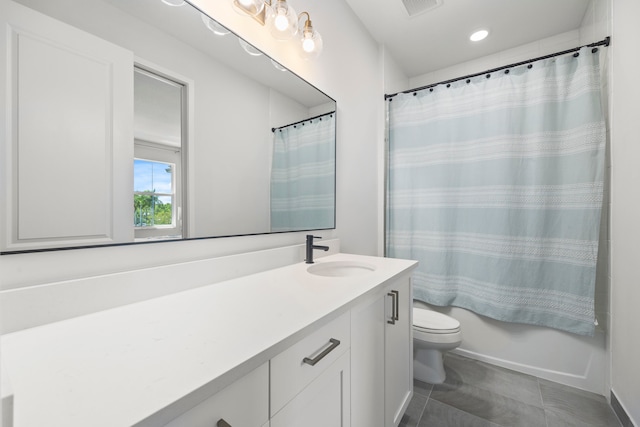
(122, 366)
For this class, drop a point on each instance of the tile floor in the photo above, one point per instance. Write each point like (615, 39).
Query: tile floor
(477, 394)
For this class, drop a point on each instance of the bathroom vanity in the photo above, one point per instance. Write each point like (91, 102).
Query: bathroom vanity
(321, 345)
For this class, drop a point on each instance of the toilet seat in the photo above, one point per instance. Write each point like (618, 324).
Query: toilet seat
(432, 322)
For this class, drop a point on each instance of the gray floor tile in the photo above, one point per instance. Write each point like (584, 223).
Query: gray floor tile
(489, 405)
(438, 414)
(413, 413)
(567, 406)
(563, 419)
(422, 388)
(493, 378)
(477, 394)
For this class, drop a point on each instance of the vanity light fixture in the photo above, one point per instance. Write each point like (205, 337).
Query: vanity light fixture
(281, 20)
(311, 40)
(476, 36)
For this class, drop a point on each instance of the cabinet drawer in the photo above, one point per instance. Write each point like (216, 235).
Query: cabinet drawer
(290, 373)
(244, 403)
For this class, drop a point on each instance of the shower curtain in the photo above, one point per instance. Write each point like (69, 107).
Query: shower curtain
(495, 186)
(303, 175)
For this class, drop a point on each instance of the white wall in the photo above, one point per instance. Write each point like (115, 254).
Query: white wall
(548, 353)
(625, 206)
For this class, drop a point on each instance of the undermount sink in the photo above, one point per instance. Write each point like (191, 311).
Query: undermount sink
(340, 269)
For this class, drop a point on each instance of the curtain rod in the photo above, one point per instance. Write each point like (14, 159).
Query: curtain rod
(302, 121)
(605, 42)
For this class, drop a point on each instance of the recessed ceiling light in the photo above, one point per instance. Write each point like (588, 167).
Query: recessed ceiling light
(478, 35)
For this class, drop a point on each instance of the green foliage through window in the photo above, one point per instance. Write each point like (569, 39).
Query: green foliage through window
(152, 207)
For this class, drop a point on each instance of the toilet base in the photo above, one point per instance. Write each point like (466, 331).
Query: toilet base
(428, 366)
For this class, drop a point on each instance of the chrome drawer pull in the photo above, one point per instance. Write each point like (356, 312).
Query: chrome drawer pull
(334, 343)
(397, 317)
(222, 423)
(395, 308)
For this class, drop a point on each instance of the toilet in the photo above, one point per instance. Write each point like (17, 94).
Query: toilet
(433, 334)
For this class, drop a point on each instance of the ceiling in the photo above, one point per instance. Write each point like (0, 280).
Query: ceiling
(439, 37)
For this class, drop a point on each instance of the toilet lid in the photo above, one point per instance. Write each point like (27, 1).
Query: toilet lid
(434, 322)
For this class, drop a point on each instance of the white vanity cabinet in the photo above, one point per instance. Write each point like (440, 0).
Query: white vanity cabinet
(245, 402)
(310, 381)
(382, 356)
(322, 403)
(305, 350)
(398, 351)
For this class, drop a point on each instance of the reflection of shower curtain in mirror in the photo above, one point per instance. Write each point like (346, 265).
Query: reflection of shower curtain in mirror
(303, 175)
(496, 187)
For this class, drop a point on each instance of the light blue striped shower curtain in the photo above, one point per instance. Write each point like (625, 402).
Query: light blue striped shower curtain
(303, 176)
(496, 187)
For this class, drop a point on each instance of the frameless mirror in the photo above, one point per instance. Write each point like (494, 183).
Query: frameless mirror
(135, 121)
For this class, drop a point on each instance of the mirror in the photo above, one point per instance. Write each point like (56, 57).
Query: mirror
(137, 121)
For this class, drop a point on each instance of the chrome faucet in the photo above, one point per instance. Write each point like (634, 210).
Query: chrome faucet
(311, 247)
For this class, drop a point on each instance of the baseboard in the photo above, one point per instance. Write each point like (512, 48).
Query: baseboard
(620, 412)
(571, 380)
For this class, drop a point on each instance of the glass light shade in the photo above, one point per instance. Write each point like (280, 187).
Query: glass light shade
(282, 20)
(173, 2)
(278, 66)
(249, 48)
(214, 26)
(248, 7)
(310, 43)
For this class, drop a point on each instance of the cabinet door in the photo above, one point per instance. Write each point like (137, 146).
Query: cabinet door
(398, 351)
(323, 403)
(367, 368)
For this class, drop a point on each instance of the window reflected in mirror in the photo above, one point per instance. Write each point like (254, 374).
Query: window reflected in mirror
(157, 171)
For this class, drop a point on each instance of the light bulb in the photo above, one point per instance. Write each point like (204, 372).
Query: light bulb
(308, 44)
(281, 22)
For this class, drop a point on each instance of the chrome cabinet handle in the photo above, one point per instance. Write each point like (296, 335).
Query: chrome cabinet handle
(222, 423)
(334, 343)
(395, 308)
(397, 317)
